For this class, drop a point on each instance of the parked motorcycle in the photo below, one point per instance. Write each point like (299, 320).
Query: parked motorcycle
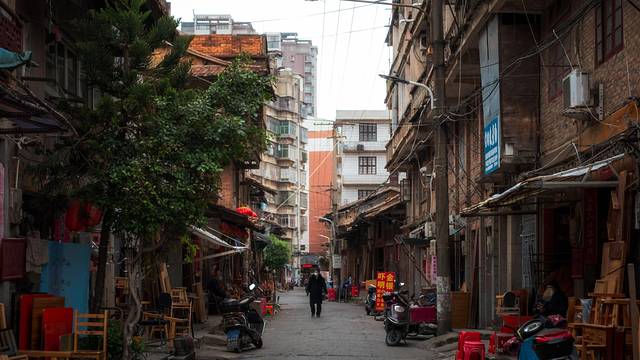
(406, 319)
(370, 302)
(242, 324)
(543, 338)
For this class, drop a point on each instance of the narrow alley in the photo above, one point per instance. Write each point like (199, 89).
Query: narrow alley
(342, 332)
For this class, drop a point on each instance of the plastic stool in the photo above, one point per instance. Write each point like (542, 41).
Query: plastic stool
(474, 350)
(463, 337)
(331, 294)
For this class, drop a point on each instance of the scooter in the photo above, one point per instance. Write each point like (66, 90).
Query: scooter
(543, 338)
(370, 302)
(403, 319)
(396, 317)
(242, 324)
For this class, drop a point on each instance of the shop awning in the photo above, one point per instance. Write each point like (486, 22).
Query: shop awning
(208, 236)
(575, 178)
(21, 114)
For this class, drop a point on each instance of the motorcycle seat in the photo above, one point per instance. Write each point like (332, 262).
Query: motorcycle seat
(230, 301)
(244, 301)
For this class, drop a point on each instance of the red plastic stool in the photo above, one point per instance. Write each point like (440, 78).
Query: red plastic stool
(464, 337)
(331, 294)
(474, 350)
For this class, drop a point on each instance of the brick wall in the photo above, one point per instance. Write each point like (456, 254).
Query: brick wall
(557, 131)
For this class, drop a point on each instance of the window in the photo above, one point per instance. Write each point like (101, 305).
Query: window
(558, 66)
(273, 124)
(286, 128)
(367, 165)
(62, 67)
(363, 194)
(368, 132)
(608, 29)
(287, 198)
(304, 135)
(303, 247)
(282, 151)
(304, 200)
(287, 220)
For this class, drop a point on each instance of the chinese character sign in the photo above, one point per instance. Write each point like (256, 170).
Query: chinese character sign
(385, 282)
(492, 145)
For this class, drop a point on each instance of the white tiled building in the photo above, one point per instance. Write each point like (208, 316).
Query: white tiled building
(360, 155)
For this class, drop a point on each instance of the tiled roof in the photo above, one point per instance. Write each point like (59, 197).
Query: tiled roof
(230, 46)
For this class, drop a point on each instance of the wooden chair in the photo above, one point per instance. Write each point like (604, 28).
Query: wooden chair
(90, 325)
(157, 322)
(179, 296)
(8, 347)
(181, 315)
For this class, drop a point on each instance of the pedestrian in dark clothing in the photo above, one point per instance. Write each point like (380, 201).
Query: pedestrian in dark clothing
(316, 289)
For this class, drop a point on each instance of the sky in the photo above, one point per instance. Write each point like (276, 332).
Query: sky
(349, 36)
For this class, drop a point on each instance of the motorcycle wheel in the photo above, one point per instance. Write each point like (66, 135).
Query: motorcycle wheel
(393, 337)
(257, 343)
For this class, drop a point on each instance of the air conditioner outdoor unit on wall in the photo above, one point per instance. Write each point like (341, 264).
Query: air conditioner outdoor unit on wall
(576, 90)
(360, 147)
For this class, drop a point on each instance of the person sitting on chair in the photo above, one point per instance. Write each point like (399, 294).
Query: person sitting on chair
(553, 301)
(216, 291)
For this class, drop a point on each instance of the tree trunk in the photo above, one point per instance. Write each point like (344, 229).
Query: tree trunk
(103, 255)
(134, 274)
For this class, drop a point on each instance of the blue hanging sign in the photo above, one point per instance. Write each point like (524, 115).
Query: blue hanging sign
(492, 145)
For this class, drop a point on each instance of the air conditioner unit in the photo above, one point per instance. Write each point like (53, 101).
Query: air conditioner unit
(576, 89)
(360, 147)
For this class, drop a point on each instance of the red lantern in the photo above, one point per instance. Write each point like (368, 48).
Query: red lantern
(82, 215)
(245, 210)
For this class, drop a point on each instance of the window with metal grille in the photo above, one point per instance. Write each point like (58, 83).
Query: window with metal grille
(609, 37)
(368, 132)
(363, 194)
(367, 165)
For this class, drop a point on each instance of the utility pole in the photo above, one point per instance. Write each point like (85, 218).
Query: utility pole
(441, 171)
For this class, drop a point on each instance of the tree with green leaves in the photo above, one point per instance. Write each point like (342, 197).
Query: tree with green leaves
(150, 152)
(276, 254)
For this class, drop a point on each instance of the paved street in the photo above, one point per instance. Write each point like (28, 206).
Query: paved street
(342, 332)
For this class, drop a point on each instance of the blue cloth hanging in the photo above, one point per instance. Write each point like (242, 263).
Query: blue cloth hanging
(10, 60)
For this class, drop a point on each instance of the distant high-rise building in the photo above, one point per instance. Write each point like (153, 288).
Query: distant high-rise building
(206, 24)
(301, 56)
(321, 176)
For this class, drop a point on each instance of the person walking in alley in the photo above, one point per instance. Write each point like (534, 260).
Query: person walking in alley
(316, 289)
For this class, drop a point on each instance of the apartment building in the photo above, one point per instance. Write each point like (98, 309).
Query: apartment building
(360, 157)
(283, 168)
(301, 56)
